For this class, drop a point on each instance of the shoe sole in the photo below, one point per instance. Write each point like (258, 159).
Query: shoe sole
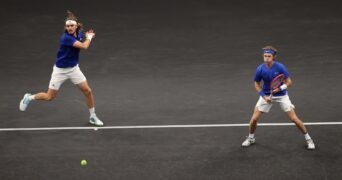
(95, 124)
(310, 149)
(248, 145)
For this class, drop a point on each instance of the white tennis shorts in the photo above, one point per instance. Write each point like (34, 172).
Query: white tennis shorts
(60, 75)
(284, 103)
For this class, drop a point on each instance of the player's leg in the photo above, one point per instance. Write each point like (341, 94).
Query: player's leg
(261, 107)
(44, 96)
(78, 78)
(57, 79)
(254, 120)
(294, 118)
(300, 125)
(288, 108)
(252, 127)
(84, 87)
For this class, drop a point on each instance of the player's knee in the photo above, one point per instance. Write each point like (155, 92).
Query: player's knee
(87, 91)
(293, 116)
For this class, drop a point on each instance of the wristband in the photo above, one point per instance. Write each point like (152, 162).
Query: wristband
(89, 37)
(283, 87)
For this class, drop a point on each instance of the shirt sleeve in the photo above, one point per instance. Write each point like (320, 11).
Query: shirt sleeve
(284, 71)
(68, 40)
(80, 35)
(257, 75)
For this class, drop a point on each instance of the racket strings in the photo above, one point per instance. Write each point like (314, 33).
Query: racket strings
(276, 83)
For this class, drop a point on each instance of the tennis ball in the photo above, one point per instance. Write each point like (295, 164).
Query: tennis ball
(83, 162)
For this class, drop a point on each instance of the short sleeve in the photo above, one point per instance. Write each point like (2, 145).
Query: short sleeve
(257, 75)
(284, 71)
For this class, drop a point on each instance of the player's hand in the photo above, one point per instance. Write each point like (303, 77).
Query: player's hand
(90, 34)
(275, 90)
(268, 99)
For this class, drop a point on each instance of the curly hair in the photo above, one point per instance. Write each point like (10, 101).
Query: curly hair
(71, 16)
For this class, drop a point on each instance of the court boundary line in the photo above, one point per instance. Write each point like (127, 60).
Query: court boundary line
(163, 126)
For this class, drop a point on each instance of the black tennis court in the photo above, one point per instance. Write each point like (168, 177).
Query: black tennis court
(160, 63)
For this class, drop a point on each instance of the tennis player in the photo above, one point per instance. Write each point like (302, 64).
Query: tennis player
(266, 72)
(66, 67)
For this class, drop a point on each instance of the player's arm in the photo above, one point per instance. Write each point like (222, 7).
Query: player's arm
(287, 83)
(258, 88)
(85, 45)
(82, 45)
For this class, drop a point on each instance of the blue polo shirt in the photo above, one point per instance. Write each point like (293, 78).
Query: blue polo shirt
(67, 55)
(266, 74)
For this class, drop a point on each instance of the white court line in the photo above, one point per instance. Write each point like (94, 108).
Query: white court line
(163, 126)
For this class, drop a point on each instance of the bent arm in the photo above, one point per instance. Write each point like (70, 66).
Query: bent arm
(85, 45)
(82, 45)
(257, 86)
(288, 82)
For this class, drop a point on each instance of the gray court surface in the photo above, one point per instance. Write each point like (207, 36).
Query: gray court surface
(174, 65)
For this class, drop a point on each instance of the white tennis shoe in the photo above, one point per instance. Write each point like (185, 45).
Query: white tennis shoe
(248, 142)
(310, 144)
(24, 102)
(94, 120)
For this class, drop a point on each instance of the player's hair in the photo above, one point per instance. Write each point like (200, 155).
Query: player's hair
(71, 16)
(270, 48)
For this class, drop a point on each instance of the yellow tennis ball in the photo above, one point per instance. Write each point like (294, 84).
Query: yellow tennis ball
(83, 162)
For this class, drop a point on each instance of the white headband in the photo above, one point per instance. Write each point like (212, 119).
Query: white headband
(70, 22)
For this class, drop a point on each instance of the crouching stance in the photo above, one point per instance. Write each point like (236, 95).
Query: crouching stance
(266, 72)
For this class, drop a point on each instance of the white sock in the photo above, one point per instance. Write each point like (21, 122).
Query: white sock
(92, 112)
(31, 97)
(251, 135)
(307, 136)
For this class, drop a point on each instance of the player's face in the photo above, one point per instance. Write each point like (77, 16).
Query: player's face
(71, 28)
(268, 58)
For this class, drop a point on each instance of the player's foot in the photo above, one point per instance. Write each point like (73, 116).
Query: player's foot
(95, 121)
(310, 144)
(24, 102)
(249, 141)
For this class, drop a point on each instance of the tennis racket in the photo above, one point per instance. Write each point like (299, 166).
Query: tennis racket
(276, 83)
